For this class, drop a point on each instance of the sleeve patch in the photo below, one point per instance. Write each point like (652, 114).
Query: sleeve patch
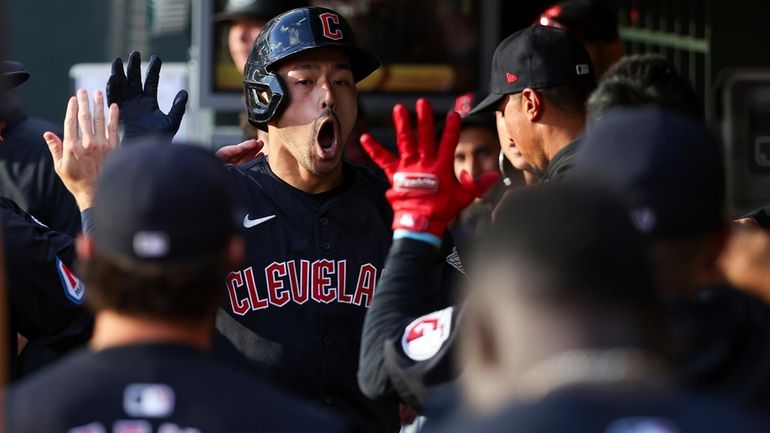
(424, 337)
(74, 289)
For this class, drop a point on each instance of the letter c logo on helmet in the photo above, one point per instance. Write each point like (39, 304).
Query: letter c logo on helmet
(288, 34)
(327, 19)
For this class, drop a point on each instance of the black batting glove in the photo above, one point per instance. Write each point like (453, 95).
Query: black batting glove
(139, 112)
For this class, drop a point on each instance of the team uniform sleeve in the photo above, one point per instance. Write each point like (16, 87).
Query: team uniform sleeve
(45, 296)
(408, 331)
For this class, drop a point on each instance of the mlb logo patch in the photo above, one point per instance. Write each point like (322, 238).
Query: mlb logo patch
(583, 69)
(424, 337)
(74, 289)
(94, 427)
(132, 427)
(644, 219)
(149, 400)
(643, 425)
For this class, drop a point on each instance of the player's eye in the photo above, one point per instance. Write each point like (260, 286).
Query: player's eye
(343, 83)
(304, 82)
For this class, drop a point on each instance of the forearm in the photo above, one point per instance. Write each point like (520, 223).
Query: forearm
(412, 271)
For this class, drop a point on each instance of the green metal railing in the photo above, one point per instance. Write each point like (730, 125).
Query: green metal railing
(678, 30)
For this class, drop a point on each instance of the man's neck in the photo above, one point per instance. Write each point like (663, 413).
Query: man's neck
(557, 135)
(286, 168)
(112, 328)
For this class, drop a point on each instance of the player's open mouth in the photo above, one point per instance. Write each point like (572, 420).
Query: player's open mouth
(327, 139)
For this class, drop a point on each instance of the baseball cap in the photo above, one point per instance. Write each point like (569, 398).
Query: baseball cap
(163, 203)
(590, 20)
(256, 9)
(13, 74)
(463, 106)
(536, 57)
(664, 162)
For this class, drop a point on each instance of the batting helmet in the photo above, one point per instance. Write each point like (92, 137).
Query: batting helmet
(290, 33)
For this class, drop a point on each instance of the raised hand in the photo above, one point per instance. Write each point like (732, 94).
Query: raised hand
(425, 194)
(78, 157)
(139, 112)
(241, 152)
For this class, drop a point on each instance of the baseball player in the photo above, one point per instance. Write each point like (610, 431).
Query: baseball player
(477, 152)
(594, 23)
(405, 352)
(563, 329)
(155, 287)
(244, 20)
(317, 228)
(44, 295)
(541, 77)
(671, 172)
(407, 347)
(26, 172)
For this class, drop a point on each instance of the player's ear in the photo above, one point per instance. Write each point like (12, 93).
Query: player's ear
(531, 104)
(84, 246)
(236, 251)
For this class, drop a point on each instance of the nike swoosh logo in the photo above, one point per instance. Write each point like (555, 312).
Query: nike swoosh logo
(249, 223)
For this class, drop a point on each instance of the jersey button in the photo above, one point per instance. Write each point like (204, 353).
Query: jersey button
(324, 221)
(326, 246)
(328, 399)
(328, 340)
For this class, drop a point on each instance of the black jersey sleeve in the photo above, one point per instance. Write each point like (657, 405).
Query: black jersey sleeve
(45, 297)
(409, 328)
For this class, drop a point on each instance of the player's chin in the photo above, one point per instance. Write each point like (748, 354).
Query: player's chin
(326, 166)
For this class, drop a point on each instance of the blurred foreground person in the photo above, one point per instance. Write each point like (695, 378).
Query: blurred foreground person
(155, 285)
(563, 330)
(670, 171)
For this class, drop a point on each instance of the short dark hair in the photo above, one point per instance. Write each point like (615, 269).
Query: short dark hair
(188, 290)
(568, 99)
(643, 79)
(567, 244)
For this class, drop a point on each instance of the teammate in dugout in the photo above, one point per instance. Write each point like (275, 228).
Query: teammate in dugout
(155, 288)
(44, 297)
(541, 77)
(317, 228)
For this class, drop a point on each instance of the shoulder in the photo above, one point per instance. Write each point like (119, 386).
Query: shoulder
(243, 388)
(34, 391)
(369, 177)
(560, 166)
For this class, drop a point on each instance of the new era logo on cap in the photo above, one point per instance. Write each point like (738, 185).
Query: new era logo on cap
(510, 78)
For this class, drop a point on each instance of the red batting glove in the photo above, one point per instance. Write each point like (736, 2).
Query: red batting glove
(425, 194)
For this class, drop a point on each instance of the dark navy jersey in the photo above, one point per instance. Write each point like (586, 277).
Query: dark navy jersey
(296, 306)
(560, 167)
(154, 388)
(410, 331)
(44, 296)
(612, 409)
(724, 337)
(27, 175)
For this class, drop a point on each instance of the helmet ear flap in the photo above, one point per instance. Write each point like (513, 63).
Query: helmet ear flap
(264, 99)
